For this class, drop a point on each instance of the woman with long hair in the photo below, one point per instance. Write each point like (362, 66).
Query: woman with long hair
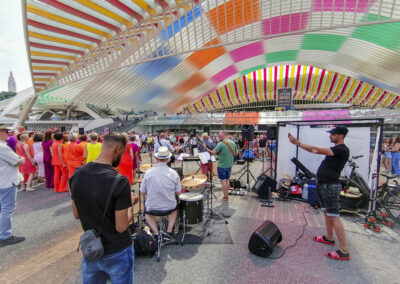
(38, 155)
(48, 167)
(126, 164)
(93, 149)
(28, 168)
(387, 155)
(396, 156)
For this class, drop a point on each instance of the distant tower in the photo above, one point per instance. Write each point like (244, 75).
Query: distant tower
(12, 86)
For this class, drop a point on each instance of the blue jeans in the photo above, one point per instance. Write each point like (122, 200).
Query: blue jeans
(395, 163)
(8, 201)
(118, 267)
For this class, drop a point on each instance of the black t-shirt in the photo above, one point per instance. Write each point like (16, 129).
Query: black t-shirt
(90, 187)
(331, 166)
(241, 143)
(262, 143)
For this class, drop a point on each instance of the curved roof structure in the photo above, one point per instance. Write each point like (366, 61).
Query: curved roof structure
(166, 55)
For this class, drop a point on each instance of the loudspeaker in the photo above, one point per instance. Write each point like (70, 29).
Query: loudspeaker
(264, 185)
(81, 130)
(206, 129)
(248, 132)
(62, 129)
(193, 132)
(271, 132)
(262, 127)
(264, 239)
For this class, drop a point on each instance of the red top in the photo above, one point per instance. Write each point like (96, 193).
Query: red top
(56, 161)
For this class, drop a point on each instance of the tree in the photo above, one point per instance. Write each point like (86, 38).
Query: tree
(6, 95)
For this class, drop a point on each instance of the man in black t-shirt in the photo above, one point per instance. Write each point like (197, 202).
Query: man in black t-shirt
(262, 143)
(90, 187)
(329, 188)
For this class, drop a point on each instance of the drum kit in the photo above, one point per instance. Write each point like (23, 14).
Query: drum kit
(191, 202)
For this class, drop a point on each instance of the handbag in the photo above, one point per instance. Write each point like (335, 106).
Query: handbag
(90, 241)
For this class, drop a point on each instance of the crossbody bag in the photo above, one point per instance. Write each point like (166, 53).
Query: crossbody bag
(90, 241)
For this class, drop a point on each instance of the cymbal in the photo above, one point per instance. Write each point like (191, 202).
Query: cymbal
(145, 167)
(194, 181)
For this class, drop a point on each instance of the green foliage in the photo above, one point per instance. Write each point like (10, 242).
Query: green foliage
(6, 95)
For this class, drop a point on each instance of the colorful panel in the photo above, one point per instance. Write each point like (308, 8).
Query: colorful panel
(322, 42)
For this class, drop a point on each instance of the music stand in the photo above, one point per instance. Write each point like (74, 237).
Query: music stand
(247, 171)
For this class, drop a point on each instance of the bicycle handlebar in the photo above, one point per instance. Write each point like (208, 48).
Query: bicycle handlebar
(357, 157)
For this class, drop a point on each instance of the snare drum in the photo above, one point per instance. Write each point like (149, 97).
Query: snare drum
(191, 206)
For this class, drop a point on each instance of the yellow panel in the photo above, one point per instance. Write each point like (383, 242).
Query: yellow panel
(350, 92)
(50, 16)
(328, 79)
(37, 53)
(251, 88)
(233, 93)
(388, 99)
(376, 95)
(361, 96)
(241, 89)
(260, 86)
(303, 80)
(270, 97)
(314, 85)
(60, 40)
(280, 76)
(337, 88)
(47, 68)
(142, 4)
(43, 79)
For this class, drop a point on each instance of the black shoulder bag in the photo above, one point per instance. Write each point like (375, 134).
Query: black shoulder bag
(90, 241)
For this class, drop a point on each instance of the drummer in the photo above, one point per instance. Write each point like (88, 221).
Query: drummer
(161, 184)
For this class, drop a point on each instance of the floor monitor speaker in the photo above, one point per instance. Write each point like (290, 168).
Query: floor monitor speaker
(264, 186)
(264, 239)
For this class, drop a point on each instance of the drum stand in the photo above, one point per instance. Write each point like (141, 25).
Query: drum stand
(210, 211)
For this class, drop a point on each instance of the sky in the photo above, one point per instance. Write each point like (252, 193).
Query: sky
(13, 56)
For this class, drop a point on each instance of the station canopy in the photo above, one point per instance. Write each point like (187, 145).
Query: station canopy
(201, 56)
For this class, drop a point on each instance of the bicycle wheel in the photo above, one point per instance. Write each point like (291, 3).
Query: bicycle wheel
(391, 202)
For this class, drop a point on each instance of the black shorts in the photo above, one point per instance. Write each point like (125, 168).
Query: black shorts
(329, 195)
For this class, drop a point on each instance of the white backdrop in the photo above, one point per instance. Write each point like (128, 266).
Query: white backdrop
(358, 141)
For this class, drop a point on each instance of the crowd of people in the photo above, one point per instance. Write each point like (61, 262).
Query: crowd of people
(391, 155)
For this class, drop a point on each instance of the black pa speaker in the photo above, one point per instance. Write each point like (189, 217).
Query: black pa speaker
(62, 129)
(81, 130)
(264, 185)
(206, 129)
(248, 132)
(192, 132)
(271, 133)
(264, 239)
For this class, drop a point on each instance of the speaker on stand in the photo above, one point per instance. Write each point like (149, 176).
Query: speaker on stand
(264, 239)
(247, 135)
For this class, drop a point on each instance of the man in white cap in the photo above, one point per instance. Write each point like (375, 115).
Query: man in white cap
(161, 184)
(9, 162)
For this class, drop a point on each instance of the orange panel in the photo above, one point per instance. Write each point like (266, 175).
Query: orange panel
(190, 83)
(203, 57)
(179, 103)
(238, 118)
(227, 17)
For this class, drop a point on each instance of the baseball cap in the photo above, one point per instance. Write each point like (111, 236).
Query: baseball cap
(339, 130)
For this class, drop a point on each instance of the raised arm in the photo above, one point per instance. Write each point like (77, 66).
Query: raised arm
(311, 148)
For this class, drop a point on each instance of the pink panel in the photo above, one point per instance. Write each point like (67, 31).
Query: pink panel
(326, 114)
(247, 51)
(226, 73)
(285, 23)
(359, 6)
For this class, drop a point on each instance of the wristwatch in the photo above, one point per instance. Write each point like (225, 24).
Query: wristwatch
(298, 143)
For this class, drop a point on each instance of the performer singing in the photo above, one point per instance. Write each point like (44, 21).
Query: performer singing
(161, 184)
(329, 188)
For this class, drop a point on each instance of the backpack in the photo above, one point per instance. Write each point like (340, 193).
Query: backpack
(145, 244)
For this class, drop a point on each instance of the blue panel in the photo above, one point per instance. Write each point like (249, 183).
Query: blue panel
(148, 95)
(155, 68)
(381, 85)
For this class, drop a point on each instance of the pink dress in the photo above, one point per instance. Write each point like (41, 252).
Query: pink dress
(27, 167)
(135, 149)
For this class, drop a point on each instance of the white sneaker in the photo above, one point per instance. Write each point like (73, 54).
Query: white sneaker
(30, 189)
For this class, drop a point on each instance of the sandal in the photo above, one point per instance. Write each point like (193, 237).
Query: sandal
(323, 240)
(338, 255)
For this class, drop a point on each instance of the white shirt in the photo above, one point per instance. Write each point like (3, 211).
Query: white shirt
(8, 166)
(163, 142)
(161, 183)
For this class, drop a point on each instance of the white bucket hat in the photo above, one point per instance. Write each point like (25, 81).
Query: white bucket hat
(163, 153)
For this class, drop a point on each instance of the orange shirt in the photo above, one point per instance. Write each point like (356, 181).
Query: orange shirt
(30, 145)
(56, 161)
(83, 144)
(74, 152)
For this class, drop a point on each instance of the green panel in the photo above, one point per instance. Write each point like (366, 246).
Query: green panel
(247, 71)
(386, 35)
(322, 42)
(279, 56)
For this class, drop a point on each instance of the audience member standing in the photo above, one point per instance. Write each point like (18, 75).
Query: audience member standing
(60, 166)
(9, 162)
(396, 156)
(93, 148)
(135, 150)
(12, 141)
(47, 158)
(74, 152)
(126, 164)
(38, 156)
(28, 168)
